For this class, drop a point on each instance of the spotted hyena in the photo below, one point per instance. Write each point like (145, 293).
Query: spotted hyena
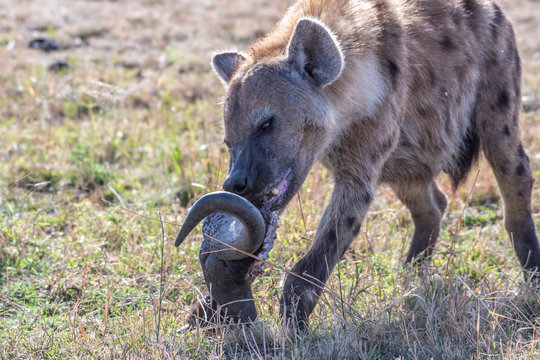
(379, 91)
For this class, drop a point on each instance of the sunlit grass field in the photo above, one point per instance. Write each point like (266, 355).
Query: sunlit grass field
(93, 155)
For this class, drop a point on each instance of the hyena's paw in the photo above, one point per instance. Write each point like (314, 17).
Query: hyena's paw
(298, 301)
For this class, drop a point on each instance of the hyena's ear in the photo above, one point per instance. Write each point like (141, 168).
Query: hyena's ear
(313, 49)
(226, 63)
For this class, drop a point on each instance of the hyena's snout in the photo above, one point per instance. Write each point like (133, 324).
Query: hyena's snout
(249, 176)
(241, 178)
(239, 182)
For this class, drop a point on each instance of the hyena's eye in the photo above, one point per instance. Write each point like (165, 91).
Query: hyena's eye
(266, 124)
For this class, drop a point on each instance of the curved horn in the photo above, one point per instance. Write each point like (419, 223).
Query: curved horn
(231, 204)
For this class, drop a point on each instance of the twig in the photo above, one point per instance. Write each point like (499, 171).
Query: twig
(116, 194)
(15, 183)
(138, 214)
(160, 278)
(301, 211)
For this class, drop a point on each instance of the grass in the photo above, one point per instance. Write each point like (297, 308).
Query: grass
(92, 157)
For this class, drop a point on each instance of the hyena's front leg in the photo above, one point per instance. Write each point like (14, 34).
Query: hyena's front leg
(338, 227)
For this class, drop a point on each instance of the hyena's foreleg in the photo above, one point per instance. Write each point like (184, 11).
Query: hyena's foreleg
(338, 227)
(427, 204)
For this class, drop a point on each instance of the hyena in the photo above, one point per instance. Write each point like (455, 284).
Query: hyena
(379, 91)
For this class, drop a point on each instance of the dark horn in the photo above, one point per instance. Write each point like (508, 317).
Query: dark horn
(231, 204)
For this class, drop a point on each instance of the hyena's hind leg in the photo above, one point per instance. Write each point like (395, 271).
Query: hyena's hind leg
(496, 119)
(504, 152)
(427, 204)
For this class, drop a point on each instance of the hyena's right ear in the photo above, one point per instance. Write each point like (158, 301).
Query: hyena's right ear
(314, 50)
(226, 63)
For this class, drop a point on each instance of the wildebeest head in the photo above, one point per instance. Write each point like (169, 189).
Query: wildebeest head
(232, 229)
(276, 113)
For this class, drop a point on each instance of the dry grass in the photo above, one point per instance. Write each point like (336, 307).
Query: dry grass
(135, 121)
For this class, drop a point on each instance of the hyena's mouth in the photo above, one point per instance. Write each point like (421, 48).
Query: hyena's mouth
(274, 198)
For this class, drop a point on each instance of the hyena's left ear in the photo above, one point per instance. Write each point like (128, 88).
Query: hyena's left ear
(314, 50)
(226, 63)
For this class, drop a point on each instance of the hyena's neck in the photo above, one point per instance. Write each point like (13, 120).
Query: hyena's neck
(359, 91)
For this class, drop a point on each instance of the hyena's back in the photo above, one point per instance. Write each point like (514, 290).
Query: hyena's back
(464, 77)
(438, 59)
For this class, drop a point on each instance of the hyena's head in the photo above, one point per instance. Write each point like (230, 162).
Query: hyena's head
(276, 113)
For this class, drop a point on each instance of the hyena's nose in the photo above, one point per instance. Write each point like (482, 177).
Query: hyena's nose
(237, 183)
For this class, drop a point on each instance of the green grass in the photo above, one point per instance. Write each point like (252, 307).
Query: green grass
(91, 156)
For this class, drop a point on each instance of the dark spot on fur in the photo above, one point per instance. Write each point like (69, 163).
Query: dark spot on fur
(460, 71)
(503, 169)
(404, 142)
(394, 70)
(356, 230)
(387, 145)
(368, 197)
(448, 126)
(506, 130)
(443, 93)
(394, 31)
(510, 47)
(494, 31)
(422, 144)
(516, 118)
(471, 10)
(456, 16)
(520, 170)
(425, 111)
(470, 5)
(447, 43)
(520, 193)
(375, 156)
(503, 101)
(432, 78)
(517, 61)
(498, 15)
(332, 236)
(492, 60)
(522, 154)
(382, 149)
(350, 221)
(517, 73)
